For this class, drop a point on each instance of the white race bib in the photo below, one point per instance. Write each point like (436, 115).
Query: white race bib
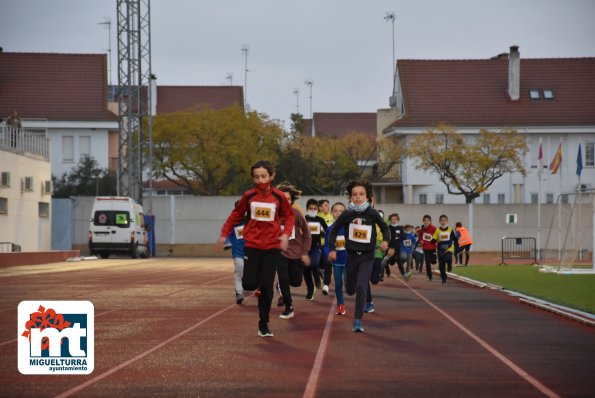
(360, 233)
(427, 237)
(444, 236)
(239, 232)
(292, 236)
(340, 243)
(407, 242)
(260, 211)
(314, 228)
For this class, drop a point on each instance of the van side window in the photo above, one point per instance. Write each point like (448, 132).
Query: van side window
(108, 218)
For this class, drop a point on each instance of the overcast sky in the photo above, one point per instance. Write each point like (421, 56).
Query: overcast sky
(343, 46)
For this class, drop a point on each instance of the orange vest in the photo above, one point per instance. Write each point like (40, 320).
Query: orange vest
(465, 238)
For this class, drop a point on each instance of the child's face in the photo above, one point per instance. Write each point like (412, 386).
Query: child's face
(443, 221)
(313, 208)
(324, 207)
(358, 195)
(427, 222)
(260, 175)
(288, 196)
(394, 220)
(408, 230)
(337, 211)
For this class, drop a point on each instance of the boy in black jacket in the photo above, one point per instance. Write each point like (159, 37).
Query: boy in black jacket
(360, 221)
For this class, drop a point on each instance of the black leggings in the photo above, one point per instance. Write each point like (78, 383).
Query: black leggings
(259, 272)
(289, 272)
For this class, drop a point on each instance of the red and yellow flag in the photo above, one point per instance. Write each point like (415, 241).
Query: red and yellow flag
(557, 160)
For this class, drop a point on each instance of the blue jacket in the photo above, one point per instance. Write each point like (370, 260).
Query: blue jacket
(237, 244)
(408, 238)
(341, 254)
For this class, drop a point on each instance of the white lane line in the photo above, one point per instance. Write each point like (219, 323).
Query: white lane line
(310, 390)
(113, 370)
(517, 369)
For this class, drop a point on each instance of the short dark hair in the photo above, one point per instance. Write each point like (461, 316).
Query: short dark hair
(322, 201)
(264, 164)
(443, 216)
(311, 202)
(458, 224)
(428, 217)
(394, 215)
(294, 193)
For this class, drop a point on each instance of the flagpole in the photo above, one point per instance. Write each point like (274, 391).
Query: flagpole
(539, 171)
(560, 212)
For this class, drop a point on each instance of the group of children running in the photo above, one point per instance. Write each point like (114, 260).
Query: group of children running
(270, 236)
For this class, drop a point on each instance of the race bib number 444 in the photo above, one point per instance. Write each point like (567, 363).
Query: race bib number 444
(260, 211)
(360, 233)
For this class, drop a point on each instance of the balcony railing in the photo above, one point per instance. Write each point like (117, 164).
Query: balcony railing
(24, 141)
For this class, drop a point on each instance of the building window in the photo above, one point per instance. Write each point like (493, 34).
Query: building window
(590, 154)
(534, 94)
(3, 206)
(486, 198)
(44, 209)
(564, 198)
(5, 180)
(534, 198)
(423, 199)
(84, 145)
(439, 198)
(548, 94)
(67, 148)
(549, 198)
(27, 184)
(501, 198)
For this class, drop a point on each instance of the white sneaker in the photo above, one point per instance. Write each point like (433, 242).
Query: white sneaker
(325, 290)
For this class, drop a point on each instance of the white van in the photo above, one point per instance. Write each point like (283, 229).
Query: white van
(117, 226)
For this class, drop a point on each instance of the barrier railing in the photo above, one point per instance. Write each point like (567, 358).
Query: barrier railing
(519, 249)
(25, 141)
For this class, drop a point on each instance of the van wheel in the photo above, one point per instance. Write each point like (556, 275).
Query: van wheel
(104, 255)
(144, 254)
(134, 250)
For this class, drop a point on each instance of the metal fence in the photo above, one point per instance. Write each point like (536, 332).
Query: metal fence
(519, 249)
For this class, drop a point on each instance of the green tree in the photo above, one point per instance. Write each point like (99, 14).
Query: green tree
(210, 151)
(85, 179)
(297, 124)
(469, 166)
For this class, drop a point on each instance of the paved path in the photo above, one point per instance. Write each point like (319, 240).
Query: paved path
(170, 327)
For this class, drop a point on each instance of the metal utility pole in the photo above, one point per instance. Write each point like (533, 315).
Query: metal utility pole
(390, 16)
(245, 51)
(296, 92)
(229, 78)
(108, 22)
(134, 94)
(309, 84)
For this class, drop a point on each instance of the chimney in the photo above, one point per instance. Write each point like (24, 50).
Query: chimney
(514, 73)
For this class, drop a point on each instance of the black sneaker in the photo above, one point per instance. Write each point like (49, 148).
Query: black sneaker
(288, 313)
(265, 332)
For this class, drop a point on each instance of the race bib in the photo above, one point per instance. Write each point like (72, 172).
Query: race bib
(360, 233)
(427, 237)
(239, 232)
(407, 242)
(314, 228)
(260, 211)
(444, 236)
(292, 236)
(340, 243)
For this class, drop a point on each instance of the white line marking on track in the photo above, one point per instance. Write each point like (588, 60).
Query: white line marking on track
(141, 355)
(517, 369)
(310, 390)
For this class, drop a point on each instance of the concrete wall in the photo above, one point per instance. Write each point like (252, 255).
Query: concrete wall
(188, 225)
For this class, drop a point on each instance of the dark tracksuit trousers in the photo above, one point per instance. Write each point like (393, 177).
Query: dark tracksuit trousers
(259, 272)
(430, 258)
(290, 273)
(358, 270)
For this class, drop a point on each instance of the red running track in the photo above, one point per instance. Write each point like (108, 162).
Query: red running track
(169, 327)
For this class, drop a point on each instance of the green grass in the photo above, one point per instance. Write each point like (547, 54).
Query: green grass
(574, 291)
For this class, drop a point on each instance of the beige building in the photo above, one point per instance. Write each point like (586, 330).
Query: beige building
(25, 191)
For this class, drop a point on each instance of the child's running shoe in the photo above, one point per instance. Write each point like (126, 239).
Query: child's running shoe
(288, 313)
(369, 307)
(239, 298)
(407, 276)
(265, 332)
(340, 309)
(325, 290)
(357, 326)
(310, 295)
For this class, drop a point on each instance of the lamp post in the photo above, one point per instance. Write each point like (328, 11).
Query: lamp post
(245, 51)
(108, 23)
(309, 84)
(390, 16)
(296, 92)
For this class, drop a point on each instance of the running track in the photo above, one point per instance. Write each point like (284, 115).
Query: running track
(170, 327)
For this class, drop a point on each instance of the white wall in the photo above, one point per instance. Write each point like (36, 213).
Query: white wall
(99, 147)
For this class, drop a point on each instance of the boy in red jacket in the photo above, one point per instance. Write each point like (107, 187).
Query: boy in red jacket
(425, 235)
(266, 206)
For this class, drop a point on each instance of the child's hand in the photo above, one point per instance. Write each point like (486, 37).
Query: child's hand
(332, 255)
(220, 243)
(306, 260)
(284, 242)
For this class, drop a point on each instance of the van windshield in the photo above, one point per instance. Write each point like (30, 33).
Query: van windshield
(115, 218)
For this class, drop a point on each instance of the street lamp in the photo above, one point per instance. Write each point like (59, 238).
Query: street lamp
(309, 84)
(108, 23)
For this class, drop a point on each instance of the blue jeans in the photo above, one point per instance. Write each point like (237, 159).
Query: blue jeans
(338, 272)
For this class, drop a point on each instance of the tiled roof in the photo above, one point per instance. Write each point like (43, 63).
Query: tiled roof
(473, 93)
(179, 98)
(337, 124)
(65, 87)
